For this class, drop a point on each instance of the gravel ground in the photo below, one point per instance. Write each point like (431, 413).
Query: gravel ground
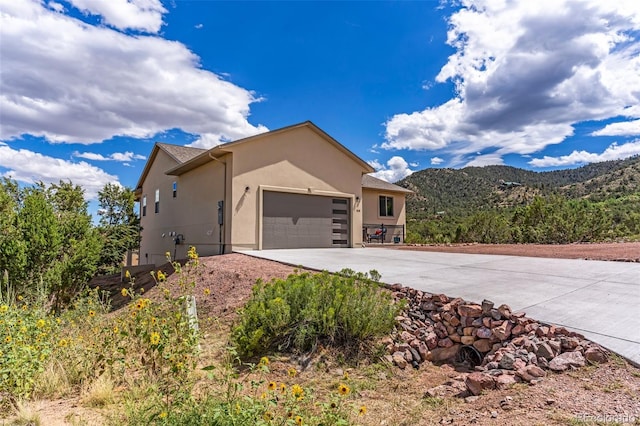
(625, 252)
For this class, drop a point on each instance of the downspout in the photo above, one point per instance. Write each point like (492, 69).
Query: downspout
(222, 233)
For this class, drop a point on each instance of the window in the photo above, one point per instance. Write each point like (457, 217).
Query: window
(157, 201)
(144, 205)
(175, 189)
(386, 206)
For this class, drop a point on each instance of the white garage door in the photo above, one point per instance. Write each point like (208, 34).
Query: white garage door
(304, 221)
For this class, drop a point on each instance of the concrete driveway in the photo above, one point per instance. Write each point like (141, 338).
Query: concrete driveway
(600, 300)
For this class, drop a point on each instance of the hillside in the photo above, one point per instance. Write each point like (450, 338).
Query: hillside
(463, 191)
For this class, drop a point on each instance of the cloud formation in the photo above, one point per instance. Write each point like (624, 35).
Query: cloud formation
(525, 73)
(143, 15)
(123, 157)
(396, 169)
(68, 81)
(30, 167)
(613, 152)
(624, 128)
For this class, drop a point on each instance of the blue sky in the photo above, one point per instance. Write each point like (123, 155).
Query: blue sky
(87, 86)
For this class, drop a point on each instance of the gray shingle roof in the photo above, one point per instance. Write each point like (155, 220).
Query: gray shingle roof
(371, 182)
(181, 153)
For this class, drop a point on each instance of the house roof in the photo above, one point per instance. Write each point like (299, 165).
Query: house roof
(371, 182)
(220, 150)
(180, 153)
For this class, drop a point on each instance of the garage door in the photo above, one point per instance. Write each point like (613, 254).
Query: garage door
(304, 221)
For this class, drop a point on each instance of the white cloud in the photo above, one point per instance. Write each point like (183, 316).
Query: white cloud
(486, 160)
(199, 26)
(116, 156)
(68, 81)
(30, 167)
(144, 15)
(396, 169)
(436, 161)
(624, 128)
(613, 152)
(525, 73)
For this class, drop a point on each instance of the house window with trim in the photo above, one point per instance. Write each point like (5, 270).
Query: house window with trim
(157, 201)
(144, 205)
(386, 206)
(175, 189)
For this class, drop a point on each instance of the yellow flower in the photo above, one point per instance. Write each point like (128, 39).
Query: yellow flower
(206, 292)
(345, 376)
(290, 414)
(162, 415)
(62, 343)
(127, 274)
(4, 308)
(263, 395)
(161, 276)
(167, 255)
(192, 254)
(41, 323)
(267, 416)
(283, 388)
(92, 313)
(297, 391)
(264, 361)
(343, 389)
(140, 305)
(272, 386)
(7, 339)
(154, 338)
(363, 410)
(298, 420)
(292, 372)
(141, 290)
(154, 320)
(124, 292)
(116, 330)
(20, 297)
(133, 314)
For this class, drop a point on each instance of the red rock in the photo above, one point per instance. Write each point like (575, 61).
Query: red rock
(535, 371)
(542, 331)
(467, 340)
(477, 382)
(399, 360)
(483, 345)
(423, 350)
(503, 332)
(431, 340)
(486, 321)
(454, 321)
(483, 333)
(596, 354)
(505, 381)
(468, 331)
(470, 310)
(517, 330)
(445, 343)
(455, 337)
(505, 311)
(567, 360)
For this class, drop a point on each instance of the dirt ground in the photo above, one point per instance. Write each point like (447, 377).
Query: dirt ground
(623, 252)
(609, 393)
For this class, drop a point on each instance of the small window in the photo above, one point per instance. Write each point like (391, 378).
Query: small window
(157, 201)
(175, 189)
(144, 205)
(386, 206)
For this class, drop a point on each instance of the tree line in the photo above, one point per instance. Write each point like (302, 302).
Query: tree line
(49, 245)
(545, 220)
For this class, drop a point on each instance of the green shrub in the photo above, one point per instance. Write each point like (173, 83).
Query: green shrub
(297, 312)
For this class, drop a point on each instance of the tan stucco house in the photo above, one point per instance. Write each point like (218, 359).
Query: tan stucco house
(288, 188)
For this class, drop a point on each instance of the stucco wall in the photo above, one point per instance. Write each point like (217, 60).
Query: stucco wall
(371, 211)
(193, 213)
(298, 160)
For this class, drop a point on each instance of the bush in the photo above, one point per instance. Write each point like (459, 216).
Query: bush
(297, 312)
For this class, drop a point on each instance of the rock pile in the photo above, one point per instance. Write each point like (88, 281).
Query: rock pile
(502, 347)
